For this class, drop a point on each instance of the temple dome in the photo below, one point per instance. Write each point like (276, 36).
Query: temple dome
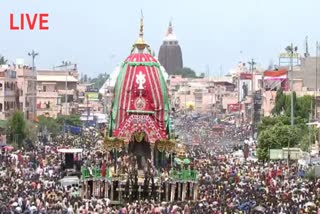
(170, 54)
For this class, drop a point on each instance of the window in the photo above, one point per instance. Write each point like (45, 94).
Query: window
(1, 107)
(44, 88)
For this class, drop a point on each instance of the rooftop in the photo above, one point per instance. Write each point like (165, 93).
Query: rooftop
(56, 78)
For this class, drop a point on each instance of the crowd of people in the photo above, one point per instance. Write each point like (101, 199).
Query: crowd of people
(30, 180)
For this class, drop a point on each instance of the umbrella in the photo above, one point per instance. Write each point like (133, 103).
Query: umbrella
(259, 209)
(310, 204)
(8, 148)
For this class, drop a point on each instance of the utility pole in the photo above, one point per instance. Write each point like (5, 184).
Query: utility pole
(88, 110)
(291, 50)
(33, 54)
(65, 65)
(252, 64)
(316, 89)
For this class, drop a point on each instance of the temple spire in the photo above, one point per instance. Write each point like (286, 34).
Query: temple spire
(170, 29)
(141, 26)
(140, 44)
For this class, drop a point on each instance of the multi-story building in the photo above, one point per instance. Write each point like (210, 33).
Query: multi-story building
(56, 92)
(9, 96)
(26, 89)
(210, 95)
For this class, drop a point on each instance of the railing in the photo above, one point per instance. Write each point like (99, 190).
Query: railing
(96, 173)
(177, 175)
(47, 94)
(184, 175)
(68, 92)
(9, 93)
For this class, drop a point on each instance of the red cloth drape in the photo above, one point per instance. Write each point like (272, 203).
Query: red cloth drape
(103, 169)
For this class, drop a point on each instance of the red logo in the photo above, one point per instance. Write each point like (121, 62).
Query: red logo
(27, 21)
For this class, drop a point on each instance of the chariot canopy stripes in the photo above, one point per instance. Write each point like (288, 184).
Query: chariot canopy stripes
(140, 100)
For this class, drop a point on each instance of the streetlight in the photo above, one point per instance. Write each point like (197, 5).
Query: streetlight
(33, 54)
(291, 50)
(66, 64)
(252, 63)
(316, 89)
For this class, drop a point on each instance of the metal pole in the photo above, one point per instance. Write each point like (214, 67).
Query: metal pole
(65, 95)
(291, 88)
(33, 54)
(252, 96)
(33, 87)
(316, 89)
(88, 112)
(185, 98)
(211, 92)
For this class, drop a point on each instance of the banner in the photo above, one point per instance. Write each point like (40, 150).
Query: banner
(92, 96)
(234, 107)
(245, 84)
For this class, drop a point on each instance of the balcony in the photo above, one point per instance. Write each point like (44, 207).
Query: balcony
(7, 93)
(47, 94)
(10, 93)
(68, 92)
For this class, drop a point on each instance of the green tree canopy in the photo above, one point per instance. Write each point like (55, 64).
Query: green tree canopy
(99, 80)
(72, 120)
(3, 60)
(277, 137)
(50, 124)
(302, 105)
(275, 132)
(186, 73)
(31, 131)
(16, 128)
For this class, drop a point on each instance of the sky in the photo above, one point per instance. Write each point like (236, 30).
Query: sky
(213, 34)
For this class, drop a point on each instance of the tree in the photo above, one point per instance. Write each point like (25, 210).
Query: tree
(51, 124)
(277, 137)
(279, 106)
(302, 105)
(72, 120)
(3, 61)
(308, 138)
(186, 73)
(99, 81)
(31, 131)
(85, 78)
(16, 128)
